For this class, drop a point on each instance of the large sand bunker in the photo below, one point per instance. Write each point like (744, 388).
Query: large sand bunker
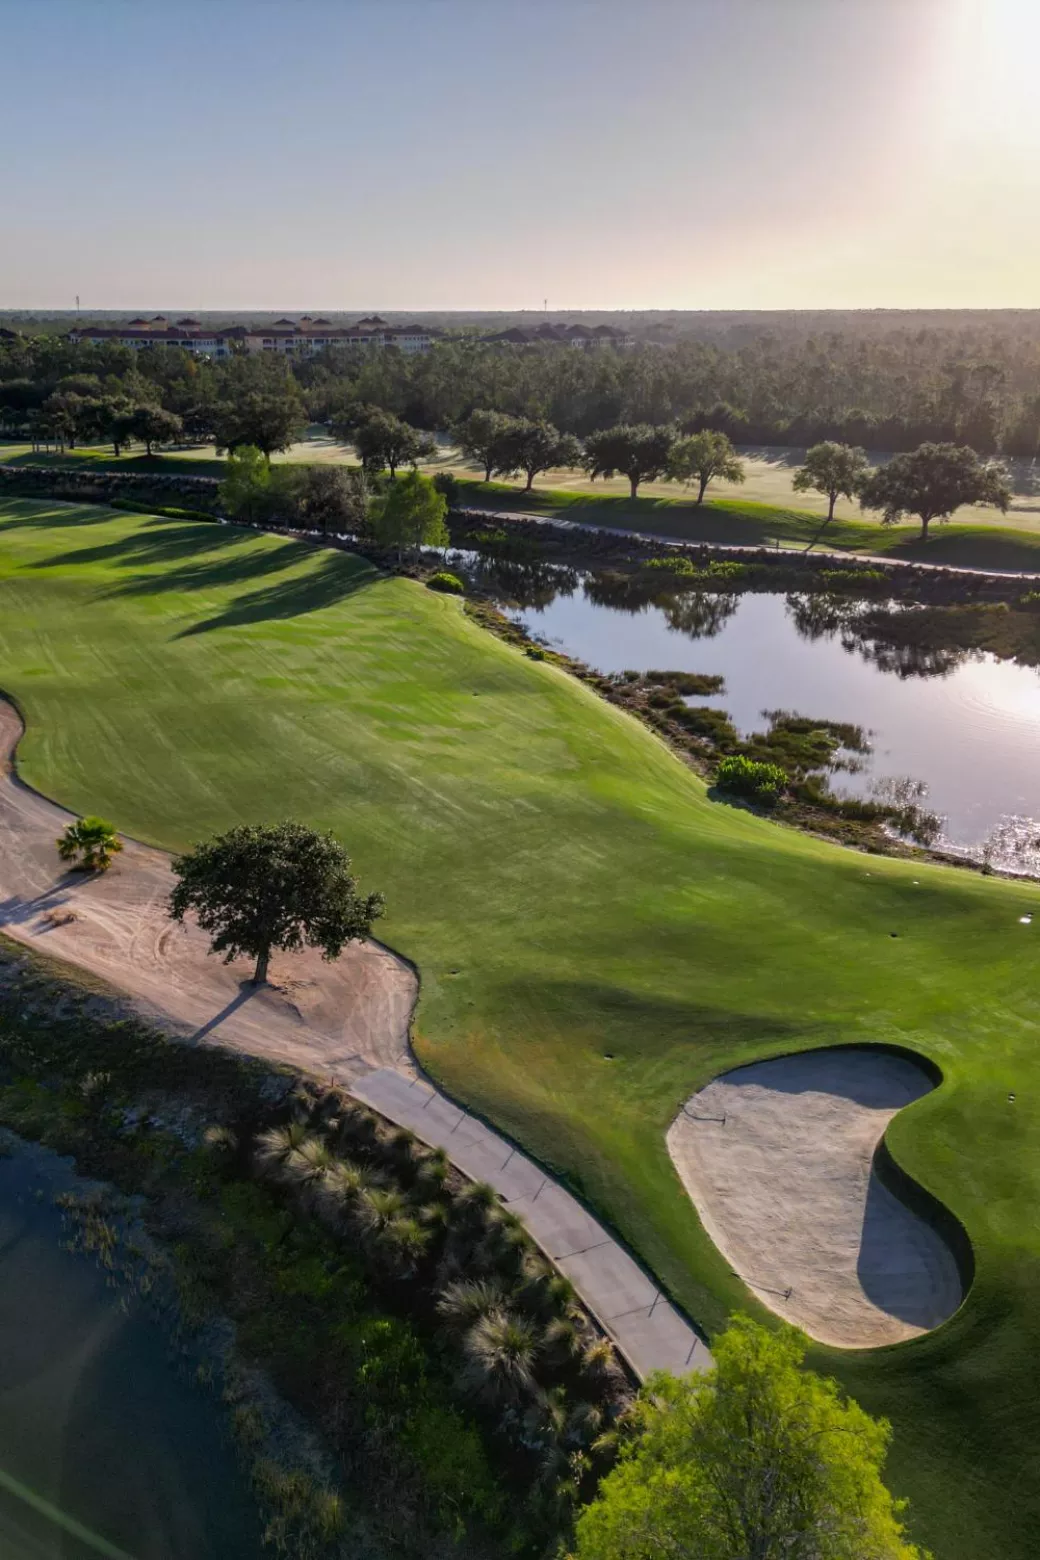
(339, 1019)
(778, 1159)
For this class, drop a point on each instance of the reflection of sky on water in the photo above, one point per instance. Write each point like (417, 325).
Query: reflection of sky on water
(973, 734)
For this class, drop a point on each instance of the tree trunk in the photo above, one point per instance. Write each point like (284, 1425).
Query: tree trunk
(633, 483)
(393, 470)
(148, 447)
(260, 973)
(830, 508)
(115, 448)
(530, 480)
(702, 490)
(925, 520)
(487, 470)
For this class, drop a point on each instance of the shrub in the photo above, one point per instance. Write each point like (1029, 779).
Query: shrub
(447, 485)
(533, 653)
(742, 776)
(166, 511)
(450, 584)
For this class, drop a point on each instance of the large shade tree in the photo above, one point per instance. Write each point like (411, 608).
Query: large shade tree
(931, 482)
(262, 887)
(482, 437)
(531, 445)
(704, 457)
(757, 1459)
(836, 471)
(383, 440)
(638, 451)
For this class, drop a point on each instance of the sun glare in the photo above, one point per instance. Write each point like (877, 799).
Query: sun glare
(991, 89)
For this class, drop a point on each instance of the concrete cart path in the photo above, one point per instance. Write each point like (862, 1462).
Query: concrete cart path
(347, 1021)
(646, 1328)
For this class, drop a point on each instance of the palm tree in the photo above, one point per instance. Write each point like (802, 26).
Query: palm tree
(273, 1147)
(89, 844)
(377, 1207)
(308, 1163)
(465, 1302)
(402, 1242)
(339, 1190)
(501, 1350)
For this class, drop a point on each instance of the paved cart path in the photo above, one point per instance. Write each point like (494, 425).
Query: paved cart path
(347, 1021)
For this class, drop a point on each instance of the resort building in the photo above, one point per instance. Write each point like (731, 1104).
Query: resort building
(288, 338)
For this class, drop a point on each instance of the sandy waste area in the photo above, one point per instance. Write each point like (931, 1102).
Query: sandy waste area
(338, 1019)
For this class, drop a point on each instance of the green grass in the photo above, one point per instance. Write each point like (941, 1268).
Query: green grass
(570, 894)
(738, 523)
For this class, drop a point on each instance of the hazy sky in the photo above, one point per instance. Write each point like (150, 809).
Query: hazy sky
(491, 153)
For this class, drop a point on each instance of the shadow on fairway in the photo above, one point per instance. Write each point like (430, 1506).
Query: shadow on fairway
(598, 1007)
(210, 573)
(339, 576)
(158, 541)
(63, 517)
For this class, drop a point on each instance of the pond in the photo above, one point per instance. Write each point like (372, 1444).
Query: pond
(105, 1449)
(967, 726)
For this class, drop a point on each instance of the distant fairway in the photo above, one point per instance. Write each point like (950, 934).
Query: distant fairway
(768, 479)
(596, 939)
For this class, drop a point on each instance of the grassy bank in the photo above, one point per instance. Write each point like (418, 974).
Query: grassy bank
(596, 937)
(735, 523)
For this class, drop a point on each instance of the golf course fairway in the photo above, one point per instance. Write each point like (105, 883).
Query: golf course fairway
(596, 938)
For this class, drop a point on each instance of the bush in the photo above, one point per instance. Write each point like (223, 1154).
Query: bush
(742, 776)
(167, 511)
(449, 583)
(447, 485)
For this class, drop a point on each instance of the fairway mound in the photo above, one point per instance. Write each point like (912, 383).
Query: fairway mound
(779, 1159)
(337, 1019)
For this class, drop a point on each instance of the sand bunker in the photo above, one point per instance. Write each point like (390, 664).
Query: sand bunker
(337, 1019)
(777, 1158)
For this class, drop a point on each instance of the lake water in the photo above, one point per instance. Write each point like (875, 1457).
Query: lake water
(105, 1449)
(970, 731)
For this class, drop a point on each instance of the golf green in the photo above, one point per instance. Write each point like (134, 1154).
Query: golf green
(596, 938)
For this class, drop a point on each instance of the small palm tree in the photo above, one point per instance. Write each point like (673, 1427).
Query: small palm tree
(339, 1190)
(308, 1163)
(463, 1303)
(273, 1147)
(377, 1208)
(501, 1351)
(89, 844)
(402, 1243)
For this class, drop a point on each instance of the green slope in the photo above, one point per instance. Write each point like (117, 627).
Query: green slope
(595, 937)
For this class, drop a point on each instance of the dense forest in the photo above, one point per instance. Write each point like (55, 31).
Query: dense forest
(886, 381)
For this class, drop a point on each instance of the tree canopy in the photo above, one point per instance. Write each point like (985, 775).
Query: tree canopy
(931, 482)
(410, 515)
(638, 452)
(266, 886)
(531, 446)
(701, 458)
(835, 470)
(483, 437)
(383, 440)
(757, 1459)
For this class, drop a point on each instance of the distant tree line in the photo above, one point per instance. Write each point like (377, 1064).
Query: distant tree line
(886, 389)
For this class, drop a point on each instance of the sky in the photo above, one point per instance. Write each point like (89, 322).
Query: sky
(491, 154)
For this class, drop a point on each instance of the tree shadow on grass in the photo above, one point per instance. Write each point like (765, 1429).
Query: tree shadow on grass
(605, 1007)
(63, 517)
(209, 573)
(158, 541)
(338, 577)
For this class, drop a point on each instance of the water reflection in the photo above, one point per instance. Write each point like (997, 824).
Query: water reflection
(963, 722)
(823, 617)
(104, 1448)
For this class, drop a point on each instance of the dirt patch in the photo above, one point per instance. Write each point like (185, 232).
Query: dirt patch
(777, 1158)
(341, 1018)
